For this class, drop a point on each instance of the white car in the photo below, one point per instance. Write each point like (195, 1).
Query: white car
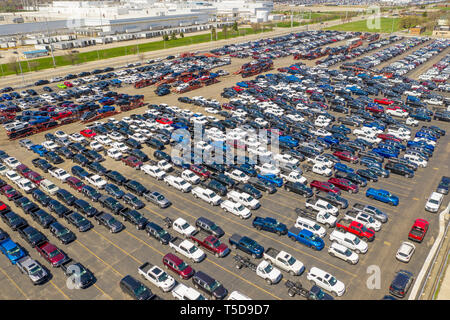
(434, 202)
(114, 154)
(12, 162)
(397, 113)
(13, 176)
(267, 168)
(412, 122)
(183, 227)
(286, 158)
(157, 276)
(178, 183)
(96, 181)
(236, 208)
(236, 295)
(238, 175)
(50, 145)
(349, 240)
(191, 177)
(164, 165)
(342, 252)
(48, 186)
(26, 185)
(76, 137)
(153, 171)
(122, 147)
(139, 137)
(115, 136)
(96, 146)
(60, 134)
(304, 223)
(326, 281)
(260, 151)
(405, 252)
(268, 272)
(182, 292)
(207, 195)
(203, 145)
(104, 140)
(59, 174)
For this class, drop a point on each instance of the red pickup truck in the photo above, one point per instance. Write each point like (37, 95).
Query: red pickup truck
(211, 243)
(418, 230)
(356, 228)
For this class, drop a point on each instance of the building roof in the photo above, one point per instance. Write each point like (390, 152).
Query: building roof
(36, 51)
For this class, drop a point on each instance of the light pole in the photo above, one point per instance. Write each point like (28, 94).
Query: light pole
(20, 67)
(51, 44)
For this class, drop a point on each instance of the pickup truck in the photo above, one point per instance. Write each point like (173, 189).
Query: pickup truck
(332, 198)
(211, 243)
(247, 245)
(306, 237)
(284, 261)
(183, 227)
(187, 248)
(157, 276)
(264, 269)
(320, 216)
(190, 177)
(244, 198)
(356, 228)
(207, 195)
(236, 208)
(32, 269)
(178, 183)
(182, 292)
(59, 173)
(153, 171)
(26, 185)
(363, 218)
(114, 154)
(372, 211)
(321, 205)
(315, 293)
(269, 224)
(320, 160)
(321, 169)
(292, 176)
(96, 181)
(382, 195)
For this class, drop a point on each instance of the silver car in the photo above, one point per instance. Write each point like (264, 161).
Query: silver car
(26, 143)
(157, 198)
(33, 269)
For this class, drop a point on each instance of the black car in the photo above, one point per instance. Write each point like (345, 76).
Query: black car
(41, 197)
(115, 177)
(366, 173)
(443, 185)
(262, 185)
(81, 159)
(216, 186)
(157, 232)
(3, 235)
(53, 157)
(43, 218)
(209, 226)
(134, 217)
(109, 221)
(91, 193)
(248, 188)
(332, 198)
(65, 152)
(32, 236)
(14, 221)
(139, 155)
(214, 167)
(135, 187)
(299, 188)
(353, 177)
(42, 164)
(442, 116)
(79, 172)
(62, 233)
(224, 179)
(136, 289)
(399, 169)
(161, 155)
(76, 147)
(155, 144)
(65, 196)
(133, 201)
(97, 168)
(401, 283)
(132, 144)
(58, 208)
(209, 285)
(83, 277)
(85, 208)
(80, 222)
(30, 207)
(21, 203)
(114, 190)
(93, 155)
(110, 203)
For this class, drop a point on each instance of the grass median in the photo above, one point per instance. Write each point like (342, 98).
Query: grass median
(387, 25)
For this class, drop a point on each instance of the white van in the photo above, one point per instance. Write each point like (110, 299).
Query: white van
(304, 223)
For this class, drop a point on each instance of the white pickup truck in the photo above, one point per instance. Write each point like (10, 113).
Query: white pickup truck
(267, 168)
(363, 218)
(190, 177)
(48, 187)
(321, 205)
(293, 176)
(207, 195)
(182, 292)
(284, 261)
(96, 181)
(59, 173)
(157, 276)
(321, 216)
(236, 208)
(114, 153)
(26, 185)
(322, 169)
(183, 227)
(187, 249)
(153, 171)
(178, 183)
(321, 160)
(165, 166)
(268, 272)
(244, 198)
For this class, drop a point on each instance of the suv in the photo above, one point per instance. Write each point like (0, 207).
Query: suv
(110, 203)
(209, 285)
(401, 283)
(136, 289)
(209, 226)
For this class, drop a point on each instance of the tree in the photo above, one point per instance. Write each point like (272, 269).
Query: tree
(173, 35)
(225, 31)
(165, 37)
(235, 26)
(181, 34)
(213, 32)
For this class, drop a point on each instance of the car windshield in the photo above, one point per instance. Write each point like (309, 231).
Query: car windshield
(348, 253)
(356, 240)
(140, 290)
(193, 249)
(62, 232)
(433, 201)
(268, 268)
(53, 254)
(332, 281)
(182, 266)
(291, 261)
(163, 277)
(34, 269)
(13, 250)
(316, 227)
(215, 285)
(250, 198)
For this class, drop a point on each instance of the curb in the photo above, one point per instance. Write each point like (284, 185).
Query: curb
(431, 258)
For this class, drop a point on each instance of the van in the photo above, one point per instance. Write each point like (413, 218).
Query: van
(304, 223)
(136, 289)
(434, 202)
(349, 240)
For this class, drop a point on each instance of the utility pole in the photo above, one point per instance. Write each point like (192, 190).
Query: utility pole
(51, 44)
(20, 67)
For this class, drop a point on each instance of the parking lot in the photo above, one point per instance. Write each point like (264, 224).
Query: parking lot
(112, 256)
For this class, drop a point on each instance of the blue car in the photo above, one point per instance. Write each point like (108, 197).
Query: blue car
(383, 196)
(11, 250)
(343, 167)
(39, 149)
(288, 140)
(385, 152)
(272, 179)
(246, 168)
(420, 144)
(369, 162)
(329, 139)
(420, 134)
(393, 144)
(420, 116)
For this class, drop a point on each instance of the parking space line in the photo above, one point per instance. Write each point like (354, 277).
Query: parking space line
(103, 292)
(65, 295)
(435, 168)
(112, 268)
(14, 283)
(387, 243)
(416, 199)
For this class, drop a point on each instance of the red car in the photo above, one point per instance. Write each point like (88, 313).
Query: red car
(238, 89)
(51, 253)
(392, 107)
(62, 115)
(75, 183)
(9, 192)
(178, 266)
(23, 170)
(88, 133)
(200, 171)
(35, 177)
(344, 184)
(211, 243)
(3, 207)
(132, 162)
(383, 101)
(68, 84)
(324, 186)
(346, 156)
(164, 121)
(386, 136)
(418, 230)
(375, 108)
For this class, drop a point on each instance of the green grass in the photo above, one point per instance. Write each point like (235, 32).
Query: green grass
(362, 26)
(60, 61)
